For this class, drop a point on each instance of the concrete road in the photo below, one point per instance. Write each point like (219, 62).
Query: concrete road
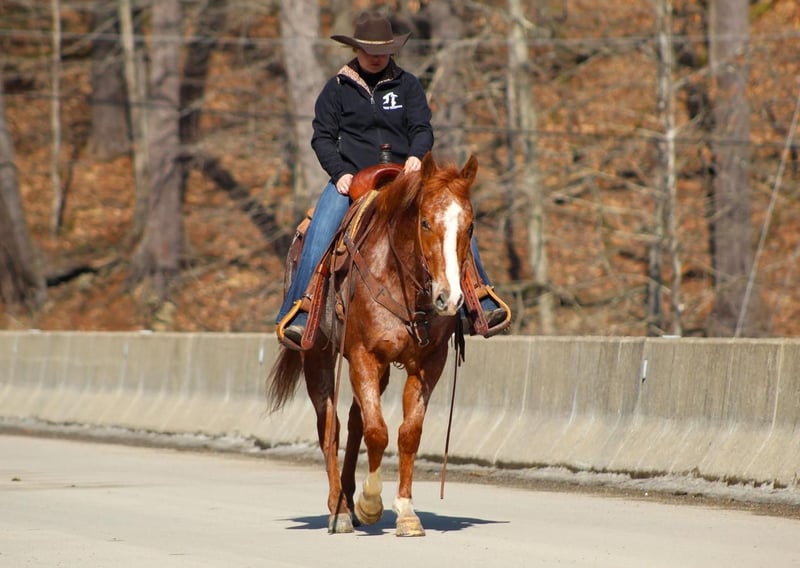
(72, 504)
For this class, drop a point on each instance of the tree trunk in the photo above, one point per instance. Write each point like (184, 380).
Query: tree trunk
(341, 12)
(21, 281)
(137, 97)
(110, 135)
(666, 191)
(211, 21)
(161, 251)
(731, 222)
(448, 88)
(299, 33)
(57, 208)
(522, 120)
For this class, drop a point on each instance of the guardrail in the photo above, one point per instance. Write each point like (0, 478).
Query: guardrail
(716, 408)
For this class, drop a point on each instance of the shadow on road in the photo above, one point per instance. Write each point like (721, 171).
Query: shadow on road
(431, 522)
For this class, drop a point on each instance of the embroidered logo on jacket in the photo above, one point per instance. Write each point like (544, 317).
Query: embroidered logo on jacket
(390, 101)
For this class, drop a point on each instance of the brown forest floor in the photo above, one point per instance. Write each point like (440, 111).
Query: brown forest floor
(235, 280)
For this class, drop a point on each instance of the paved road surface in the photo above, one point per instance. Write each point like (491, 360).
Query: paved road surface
(73, 504)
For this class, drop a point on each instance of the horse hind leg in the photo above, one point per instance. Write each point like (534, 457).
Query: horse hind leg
(340, 520)
(318, 369)
(355, 433)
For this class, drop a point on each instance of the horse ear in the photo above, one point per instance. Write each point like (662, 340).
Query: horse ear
(470, 169)
(428, 165)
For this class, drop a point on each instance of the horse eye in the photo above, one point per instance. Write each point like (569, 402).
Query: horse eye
(425, 225)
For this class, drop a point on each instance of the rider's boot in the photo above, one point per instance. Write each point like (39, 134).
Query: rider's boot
(494, 313)
(292, 327)
(294, 330)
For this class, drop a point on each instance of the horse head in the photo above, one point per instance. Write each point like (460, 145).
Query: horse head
(445, 229)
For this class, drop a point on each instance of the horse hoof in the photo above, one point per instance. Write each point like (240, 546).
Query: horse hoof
(368, 513)
(409, 526)
(341, 523)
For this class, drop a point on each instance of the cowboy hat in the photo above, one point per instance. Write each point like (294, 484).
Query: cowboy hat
(373, 34)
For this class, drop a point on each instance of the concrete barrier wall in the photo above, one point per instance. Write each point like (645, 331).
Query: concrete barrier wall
(722, 409)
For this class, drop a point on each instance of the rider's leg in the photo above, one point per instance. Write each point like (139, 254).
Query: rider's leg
(328, 214)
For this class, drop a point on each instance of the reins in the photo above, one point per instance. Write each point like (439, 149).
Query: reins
(459, 345)
(339, 358)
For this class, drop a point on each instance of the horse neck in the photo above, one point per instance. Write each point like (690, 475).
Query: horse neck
(404, 238)
(396, 246)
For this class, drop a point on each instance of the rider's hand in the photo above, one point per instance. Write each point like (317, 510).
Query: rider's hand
(412, 164)
(343, 185)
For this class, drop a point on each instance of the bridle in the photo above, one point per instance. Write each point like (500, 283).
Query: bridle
(416, 320)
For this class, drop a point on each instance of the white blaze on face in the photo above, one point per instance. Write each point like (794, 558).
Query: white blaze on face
(451, 219)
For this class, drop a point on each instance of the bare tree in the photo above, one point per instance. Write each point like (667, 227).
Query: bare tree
(522, 120)
(447, 89)
(731, 221)
(21, 281)
(299, 33)
(211, 19)
(160, 253)
(137, 95)
(341, 12)
(666, 191)
(55, 120)
(110, 135)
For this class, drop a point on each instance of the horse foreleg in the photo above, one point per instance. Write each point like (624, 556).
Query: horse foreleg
(368, 382)
(415, 402)
(369, 507)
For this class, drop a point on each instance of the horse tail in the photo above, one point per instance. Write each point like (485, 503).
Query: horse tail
(283, 377)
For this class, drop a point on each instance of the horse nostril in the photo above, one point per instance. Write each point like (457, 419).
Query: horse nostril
(460, 301)
(441, 300)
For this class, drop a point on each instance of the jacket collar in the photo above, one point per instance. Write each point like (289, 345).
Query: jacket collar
(350, 70)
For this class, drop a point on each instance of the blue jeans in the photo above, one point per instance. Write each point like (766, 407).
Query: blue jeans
(478, 263)
(328, 214)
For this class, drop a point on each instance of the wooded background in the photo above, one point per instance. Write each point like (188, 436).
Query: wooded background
(638, 159)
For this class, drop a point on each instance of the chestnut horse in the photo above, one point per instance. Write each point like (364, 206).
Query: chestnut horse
(401, 306)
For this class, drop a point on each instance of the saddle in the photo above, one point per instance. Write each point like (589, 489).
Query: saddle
(319, 301)
(314, 301)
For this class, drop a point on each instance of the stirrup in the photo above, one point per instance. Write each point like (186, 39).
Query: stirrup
(504, 323)
(476, 321)
(280, 330)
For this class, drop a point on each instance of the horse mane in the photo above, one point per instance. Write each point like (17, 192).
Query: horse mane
(405, 191)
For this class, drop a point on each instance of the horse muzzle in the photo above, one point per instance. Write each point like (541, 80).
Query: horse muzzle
(446, 303)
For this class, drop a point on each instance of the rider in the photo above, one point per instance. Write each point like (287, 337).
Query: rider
(369, 103)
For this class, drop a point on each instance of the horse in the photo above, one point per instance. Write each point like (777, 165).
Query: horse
(401, 299)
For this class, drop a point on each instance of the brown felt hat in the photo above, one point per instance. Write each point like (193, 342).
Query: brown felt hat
(373, 34)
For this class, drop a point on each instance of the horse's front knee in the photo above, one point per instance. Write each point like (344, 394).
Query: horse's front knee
(376, 437)
(408, 438)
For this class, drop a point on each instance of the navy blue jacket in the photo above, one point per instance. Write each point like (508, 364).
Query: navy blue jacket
(351, 121)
